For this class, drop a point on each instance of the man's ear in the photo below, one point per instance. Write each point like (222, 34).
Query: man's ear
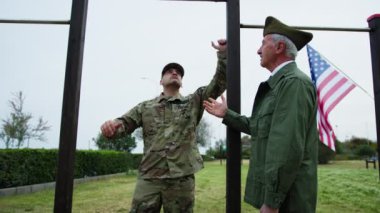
(281, 47)
(161, 81)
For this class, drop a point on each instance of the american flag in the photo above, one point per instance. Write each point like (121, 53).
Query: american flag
(332, 86)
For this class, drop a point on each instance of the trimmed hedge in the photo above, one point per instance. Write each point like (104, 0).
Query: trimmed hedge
(20, 167)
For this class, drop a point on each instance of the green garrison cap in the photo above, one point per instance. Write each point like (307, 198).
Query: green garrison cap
(298, 37)
(173, 65)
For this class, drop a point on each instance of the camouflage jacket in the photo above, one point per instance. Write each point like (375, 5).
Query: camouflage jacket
(169, 125)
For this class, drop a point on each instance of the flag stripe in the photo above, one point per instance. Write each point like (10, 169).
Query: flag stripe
(326, 130)
(324, 80)
(334, 87)
(333, 94)
(337, 100)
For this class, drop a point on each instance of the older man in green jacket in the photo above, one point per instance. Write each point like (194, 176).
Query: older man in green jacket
(282, 175)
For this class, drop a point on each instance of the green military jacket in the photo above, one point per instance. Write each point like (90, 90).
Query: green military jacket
(169, 129)
(283, 163)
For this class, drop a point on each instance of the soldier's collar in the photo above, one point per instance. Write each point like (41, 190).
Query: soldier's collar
(170, 98)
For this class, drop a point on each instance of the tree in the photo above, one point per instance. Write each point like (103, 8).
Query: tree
(126, 143)
(355, 142)
(358, 148)
(17, 128)
(219, 149)
(203, 133)
(338, 147)
(365, 151)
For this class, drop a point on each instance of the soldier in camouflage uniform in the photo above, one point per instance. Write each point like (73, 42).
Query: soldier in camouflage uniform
(171, 156)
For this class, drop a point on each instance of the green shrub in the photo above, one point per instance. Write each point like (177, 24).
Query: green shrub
(365, 151)
(135, 162)
(20, 167)
(93, 163)
(325, 154)
(26, 166)
(341, 157)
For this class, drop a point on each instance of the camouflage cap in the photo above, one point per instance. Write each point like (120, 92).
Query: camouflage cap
(173, 65)
(298, 37)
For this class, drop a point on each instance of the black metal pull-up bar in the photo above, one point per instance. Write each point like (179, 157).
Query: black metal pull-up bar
(313, 28)
(55, 22)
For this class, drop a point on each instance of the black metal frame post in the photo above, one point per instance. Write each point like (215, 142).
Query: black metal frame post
(70, 108)
(374, 37)
(233, 188)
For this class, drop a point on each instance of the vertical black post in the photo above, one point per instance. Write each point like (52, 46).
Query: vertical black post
(70, 108)
(374, 38)
(233, 96)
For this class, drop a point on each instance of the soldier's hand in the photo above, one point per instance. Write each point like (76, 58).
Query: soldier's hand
(216, 108)
(109, 128)
(221, 46)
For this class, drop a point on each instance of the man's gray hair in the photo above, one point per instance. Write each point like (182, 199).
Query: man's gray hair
(291, 49)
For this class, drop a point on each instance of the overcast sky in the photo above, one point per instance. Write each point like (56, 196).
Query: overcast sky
(128, 42)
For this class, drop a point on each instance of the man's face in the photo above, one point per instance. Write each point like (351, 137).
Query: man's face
(267, 52)
(171, 78)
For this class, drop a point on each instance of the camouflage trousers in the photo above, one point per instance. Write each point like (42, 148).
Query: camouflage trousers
(176, 195)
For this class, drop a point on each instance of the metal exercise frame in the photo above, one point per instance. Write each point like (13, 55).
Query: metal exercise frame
(71, 97)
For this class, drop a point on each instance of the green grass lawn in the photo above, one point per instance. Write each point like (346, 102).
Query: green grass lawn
(344, 186)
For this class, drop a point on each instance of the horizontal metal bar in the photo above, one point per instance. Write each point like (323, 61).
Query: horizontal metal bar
(198, 0)
(9, 21)
(313, 28)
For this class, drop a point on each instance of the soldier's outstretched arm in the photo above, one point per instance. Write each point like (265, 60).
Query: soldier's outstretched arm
(218, 83)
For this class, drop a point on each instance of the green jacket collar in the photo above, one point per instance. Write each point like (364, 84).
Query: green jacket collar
(286, 70)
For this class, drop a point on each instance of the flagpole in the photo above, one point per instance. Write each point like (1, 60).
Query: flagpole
(374, 37)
